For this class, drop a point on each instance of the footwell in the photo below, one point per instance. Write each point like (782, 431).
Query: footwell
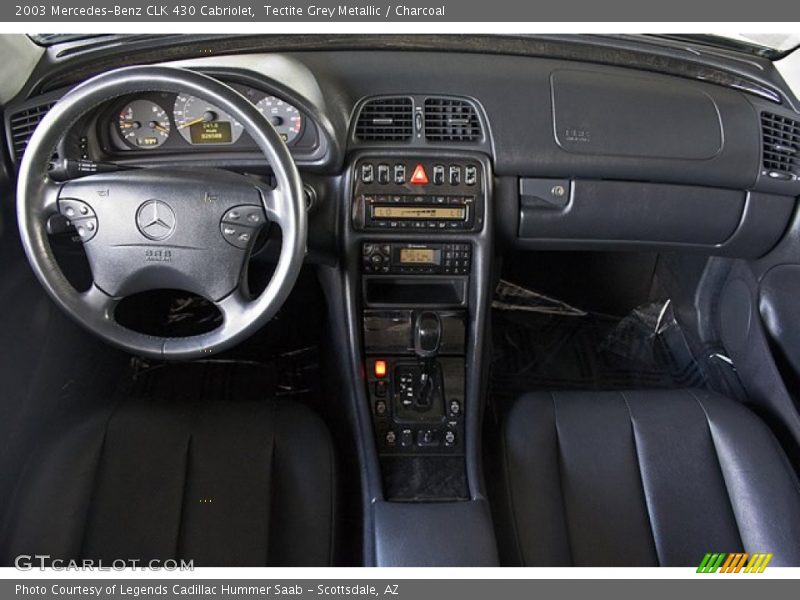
(541, 343)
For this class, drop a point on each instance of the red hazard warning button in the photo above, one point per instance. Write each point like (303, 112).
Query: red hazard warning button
(419, 177)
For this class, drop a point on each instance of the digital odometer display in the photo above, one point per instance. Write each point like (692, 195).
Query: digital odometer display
(211, 132)
(415, 256)
(419, 212)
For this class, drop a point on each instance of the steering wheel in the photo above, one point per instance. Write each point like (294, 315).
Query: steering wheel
(148, 229)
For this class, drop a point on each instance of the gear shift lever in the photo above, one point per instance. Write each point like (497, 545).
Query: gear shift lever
(427, 336)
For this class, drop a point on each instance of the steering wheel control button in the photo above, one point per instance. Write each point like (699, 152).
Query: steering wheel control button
(240, 224)
(155, 220)
(80, 216)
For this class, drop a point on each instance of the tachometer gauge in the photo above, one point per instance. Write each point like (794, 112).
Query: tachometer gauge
(285, 118)
(200, 122)
(143, 124)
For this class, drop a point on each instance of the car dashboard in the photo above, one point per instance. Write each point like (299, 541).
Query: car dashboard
(423, 161)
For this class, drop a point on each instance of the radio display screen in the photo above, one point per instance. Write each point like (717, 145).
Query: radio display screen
(450, 213)
(416, 256)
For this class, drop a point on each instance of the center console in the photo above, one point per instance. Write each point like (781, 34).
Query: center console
(418, 246)
(416, 220)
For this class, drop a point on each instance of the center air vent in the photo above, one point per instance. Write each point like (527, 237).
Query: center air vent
(22, 124)
(385, 120)
(781, 139)
(451, 120)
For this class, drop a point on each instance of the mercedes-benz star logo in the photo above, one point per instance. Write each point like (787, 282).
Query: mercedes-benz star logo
(156, 220)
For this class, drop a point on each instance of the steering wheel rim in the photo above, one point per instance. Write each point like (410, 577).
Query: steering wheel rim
(38, 198)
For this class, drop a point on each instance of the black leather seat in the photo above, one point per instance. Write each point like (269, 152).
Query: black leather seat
(221, 483)
(641, 478)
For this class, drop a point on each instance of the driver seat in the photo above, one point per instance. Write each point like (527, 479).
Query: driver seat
(177, 473)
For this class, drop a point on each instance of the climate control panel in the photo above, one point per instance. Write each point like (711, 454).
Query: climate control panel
(418, 194)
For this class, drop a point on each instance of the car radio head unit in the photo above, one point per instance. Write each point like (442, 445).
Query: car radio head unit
(410, 258)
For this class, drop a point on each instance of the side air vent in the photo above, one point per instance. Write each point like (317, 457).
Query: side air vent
(385, 120)
(781, 139)
(451, 120)
(22, 124)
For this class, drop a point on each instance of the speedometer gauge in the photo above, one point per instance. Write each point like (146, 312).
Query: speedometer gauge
(143, 124)
(200, 122)
(285, 118)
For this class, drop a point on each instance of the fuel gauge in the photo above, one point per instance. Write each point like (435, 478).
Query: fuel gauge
(143, 124)
(285, 118)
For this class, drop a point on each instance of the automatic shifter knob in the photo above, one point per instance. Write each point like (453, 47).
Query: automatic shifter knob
(427, 334)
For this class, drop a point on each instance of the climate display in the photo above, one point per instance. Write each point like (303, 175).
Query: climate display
(419, 212)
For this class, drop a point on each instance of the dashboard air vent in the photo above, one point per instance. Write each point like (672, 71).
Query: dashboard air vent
(781, 139)
(385, 120)
(22, 123)
(451, 120)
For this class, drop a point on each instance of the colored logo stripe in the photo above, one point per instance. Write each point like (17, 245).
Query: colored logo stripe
(734, 562)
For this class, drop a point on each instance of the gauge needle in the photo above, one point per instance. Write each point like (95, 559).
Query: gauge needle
(206, 116)
(194, 122)
(160, 128)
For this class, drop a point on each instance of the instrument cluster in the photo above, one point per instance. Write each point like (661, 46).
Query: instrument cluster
(159, 122)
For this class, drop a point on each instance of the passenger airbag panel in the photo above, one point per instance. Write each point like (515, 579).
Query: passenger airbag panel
(605, 114)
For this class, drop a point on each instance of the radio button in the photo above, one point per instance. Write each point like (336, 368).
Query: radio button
(470, 174)
(438, 174)
(367, 173)
(383, 173)
(399, 174)
(455, 175)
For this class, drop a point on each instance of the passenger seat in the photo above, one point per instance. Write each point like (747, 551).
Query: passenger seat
(641, 478)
